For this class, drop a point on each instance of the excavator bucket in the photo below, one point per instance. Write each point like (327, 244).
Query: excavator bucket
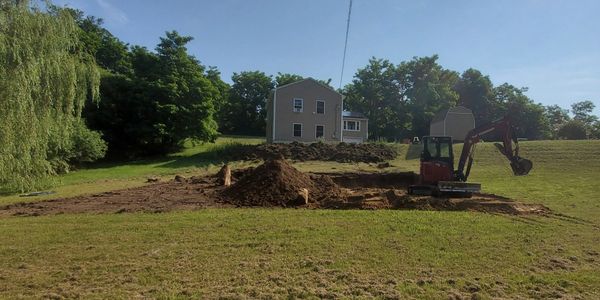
(521, 166)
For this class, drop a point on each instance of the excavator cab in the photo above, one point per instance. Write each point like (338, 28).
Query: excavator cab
(437, 159)
(437, 174)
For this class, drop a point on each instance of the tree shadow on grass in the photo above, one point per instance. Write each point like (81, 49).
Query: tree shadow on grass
(218, 154)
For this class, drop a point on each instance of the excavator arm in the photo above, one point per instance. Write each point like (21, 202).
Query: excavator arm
(519, 165)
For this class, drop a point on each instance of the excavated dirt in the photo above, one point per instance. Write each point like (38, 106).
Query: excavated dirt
(276, 183)
(273, 184)
(341, 152)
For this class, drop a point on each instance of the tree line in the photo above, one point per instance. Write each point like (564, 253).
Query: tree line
(144, 111)
(107, 95)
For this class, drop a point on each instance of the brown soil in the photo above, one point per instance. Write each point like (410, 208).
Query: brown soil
(273, 184)
(341, 152)
(276, 183)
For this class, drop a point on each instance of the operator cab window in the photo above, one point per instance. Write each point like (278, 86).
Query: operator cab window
(444, 149)
(431, 148)
(437, 147)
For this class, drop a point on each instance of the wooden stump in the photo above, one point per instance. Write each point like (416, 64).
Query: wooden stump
(303, 196)
(224, 175)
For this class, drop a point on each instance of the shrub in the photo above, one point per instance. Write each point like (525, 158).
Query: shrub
(573, 130)
(84, 146)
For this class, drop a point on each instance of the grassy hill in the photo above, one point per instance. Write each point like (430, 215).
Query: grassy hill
(300, 253)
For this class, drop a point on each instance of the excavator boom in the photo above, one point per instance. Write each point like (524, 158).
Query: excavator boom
(509, 148)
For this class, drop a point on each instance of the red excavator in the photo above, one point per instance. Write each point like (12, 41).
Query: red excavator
(438, 176)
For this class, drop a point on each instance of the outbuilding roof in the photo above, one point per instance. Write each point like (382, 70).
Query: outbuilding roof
(441, 115)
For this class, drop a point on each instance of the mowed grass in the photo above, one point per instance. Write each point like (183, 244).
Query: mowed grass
(298, 253)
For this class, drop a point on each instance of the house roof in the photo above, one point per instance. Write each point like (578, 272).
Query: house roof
(309, 79)
(351, 114)
(441, 115)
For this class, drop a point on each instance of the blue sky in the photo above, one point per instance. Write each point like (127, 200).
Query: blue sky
(550, 46)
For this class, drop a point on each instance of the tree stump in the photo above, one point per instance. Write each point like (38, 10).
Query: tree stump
(224, 175)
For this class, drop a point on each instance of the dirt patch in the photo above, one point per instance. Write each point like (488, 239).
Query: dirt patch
(189, 194)
(397, 180)
(273, 184)
(276, 183)
(340, 152)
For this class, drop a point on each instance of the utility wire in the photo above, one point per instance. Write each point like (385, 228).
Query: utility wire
(346, 43)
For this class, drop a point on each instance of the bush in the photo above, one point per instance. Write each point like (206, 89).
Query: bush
(84, 146)
(88, 145)
(573, 130)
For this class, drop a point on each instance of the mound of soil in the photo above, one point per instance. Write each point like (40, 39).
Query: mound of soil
(341, 152)
(277, 183)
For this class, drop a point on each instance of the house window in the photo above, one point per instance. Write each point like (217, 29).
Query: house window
(319, 131)
(298, 105)
(297, 130)
(320, 106)
(352, 125)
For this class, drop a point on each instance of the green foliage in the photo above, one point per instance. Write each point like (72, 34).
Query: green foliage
(582, 111)
(528, 117)
(110, 53)
(401, 100)
(595, 130)
(476, 92)
(88, 145)
(375, 92)
(246, 110)
(573, 130)
(84, 146)
(45, 79)
(285, 78)
(557, 117)
(167, 98)
(428, 88)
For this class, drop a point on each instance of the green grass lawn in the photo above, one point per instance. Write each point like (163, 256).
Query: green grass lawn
(299, 253)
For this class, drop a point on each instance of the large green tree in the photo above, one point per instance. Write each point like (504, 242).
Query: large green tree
(476, 92)
(557, 117)
(528, 116)
(428, 88)
(375, 91)
(583, 112)
(45, 78)
(246, 109)
(168, 97)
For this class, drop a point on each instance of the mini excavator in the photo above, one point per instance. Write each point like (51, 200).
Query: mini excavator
(437, 174)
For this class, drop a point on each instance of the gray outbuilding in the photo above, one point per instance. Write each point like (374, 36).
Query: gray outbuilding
(455, 122)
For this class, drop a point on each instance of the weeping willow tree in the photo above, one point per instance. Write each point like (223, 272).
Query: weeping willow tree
(45, 79)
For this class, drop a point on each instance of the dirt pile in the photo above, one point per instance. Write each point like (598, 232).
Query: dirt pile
(341, 152)
(277, 183)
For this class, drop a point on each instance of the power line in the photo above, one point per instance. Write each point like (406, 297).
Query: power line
(346, 43)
